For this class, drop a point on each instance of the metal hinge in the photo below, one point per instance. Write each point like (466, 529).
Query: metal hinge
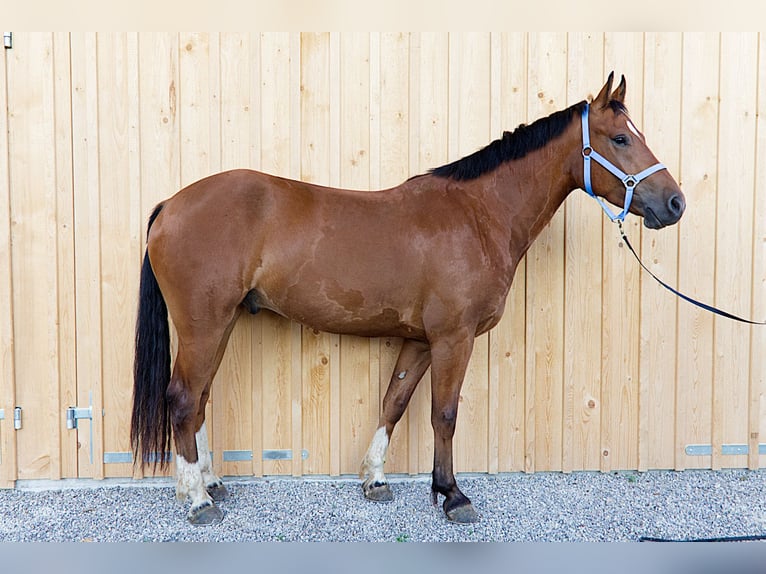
(17, 418)
(73, 414)
(2, 414)
(8, 40)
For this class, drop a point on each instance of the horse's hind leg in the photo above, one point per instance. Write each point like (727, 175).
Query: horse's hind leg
(414, 359)
(196, 364)
(213, 484)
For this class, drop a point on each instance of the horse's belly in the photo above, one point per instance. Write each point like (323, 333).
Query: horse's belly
(347, 315)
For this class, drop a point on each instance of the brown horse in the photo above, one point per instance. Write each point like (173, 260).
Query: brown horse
(430, 261)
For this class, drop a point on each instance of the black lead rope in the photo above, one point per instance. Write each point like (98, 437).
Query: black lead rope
(751, 538)
(681, 295)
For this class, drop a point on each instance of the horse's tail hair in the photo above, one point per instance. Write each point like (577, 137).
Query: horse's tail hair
(150, 425)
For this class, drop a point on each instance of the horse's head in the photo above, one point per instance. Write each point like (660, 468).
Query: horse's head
(627, 171)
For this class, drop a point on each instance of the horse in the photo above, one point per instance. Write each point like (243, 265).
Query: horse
(430, 261)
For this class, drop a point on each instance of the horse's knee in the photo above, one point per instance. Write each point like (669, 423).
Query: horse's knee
(444, 420)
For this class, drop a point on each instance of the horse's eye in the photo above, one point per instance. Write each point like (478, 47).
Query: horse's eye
(621, 140)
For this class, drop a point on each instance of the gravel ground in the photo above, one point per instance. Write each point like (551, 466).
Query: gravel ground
(513, 507)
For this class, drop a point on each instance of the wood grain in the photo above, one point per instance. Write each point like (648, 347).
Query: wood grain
(593, 366)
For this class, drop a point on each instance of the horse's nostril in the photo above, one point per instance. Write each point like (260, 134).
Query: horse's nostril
(676, 204)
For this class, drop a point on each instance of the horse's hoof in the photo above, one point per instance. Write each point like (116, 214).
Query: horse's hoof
(463, 514)
(205, 515)
(217, 492)
(378, 492)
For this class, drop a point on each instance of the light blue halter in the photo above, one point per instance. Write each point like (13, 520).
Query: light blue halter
(629, 181)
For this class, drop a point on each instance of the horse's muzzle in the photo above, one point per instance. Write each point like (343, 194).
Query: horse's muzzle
(673, 210)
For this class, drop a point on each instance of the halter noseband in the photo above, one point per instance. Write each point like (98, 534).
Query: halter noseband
(629, 181)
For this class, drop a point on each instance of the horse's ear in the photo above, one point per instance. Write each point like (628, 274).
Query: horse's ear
(602, 99)
(619, 93)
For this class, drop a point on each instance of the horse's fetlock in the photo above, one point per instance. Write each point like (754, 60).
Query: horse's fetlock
(182, 493)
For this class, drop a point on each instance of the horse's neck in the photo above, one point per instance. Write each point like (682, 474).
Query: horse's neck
(529, 191)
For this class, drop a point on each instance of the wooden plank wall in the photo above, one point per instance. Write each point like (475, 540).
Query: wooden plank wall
(594, 366)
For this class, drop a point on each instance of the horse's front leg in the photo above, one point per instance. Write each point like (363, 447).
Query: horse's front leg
(450, 356)
(413, 361)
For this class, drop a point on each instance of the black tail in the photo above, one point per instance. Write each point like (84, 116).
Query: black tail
(150, 427)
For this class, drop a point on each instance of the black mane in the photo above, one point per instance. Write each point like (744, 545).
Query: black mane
(513, 145)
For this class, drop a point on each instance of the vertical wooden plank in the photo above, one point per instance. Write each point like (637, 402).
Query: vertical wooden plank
(294, 84)
(159, 121)
(432, 93)
(354, 121)
(296, 385)
(276, 123)
(354, 402)
(32, 168)
(736, 160)
(315, 167)
(215, 407)
(66, 250)
(374, 383)
(375, 392)
(121, 233)
(623, 53)
(415, 143)
(160, 152)
(197, 83)
(394, 152)
(87, 234)
(200, 156)
(277, 391)
(657, 382)
(336, 434)
(240, 135)
(583, 300)
(698, 177)
(8, 466)
(545, 272)
(493, 352)
(507, 340)
(279, 343)
(138, 217)
(469, 130)
(757, 414)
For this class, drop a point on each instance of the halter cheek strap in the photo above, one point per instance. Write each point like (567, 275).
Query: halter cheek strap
(629, 181)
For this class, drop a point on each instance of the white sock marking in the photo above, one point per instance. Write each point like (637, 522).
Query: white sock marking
(372, 466)
(205, 462)
(190, 484)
